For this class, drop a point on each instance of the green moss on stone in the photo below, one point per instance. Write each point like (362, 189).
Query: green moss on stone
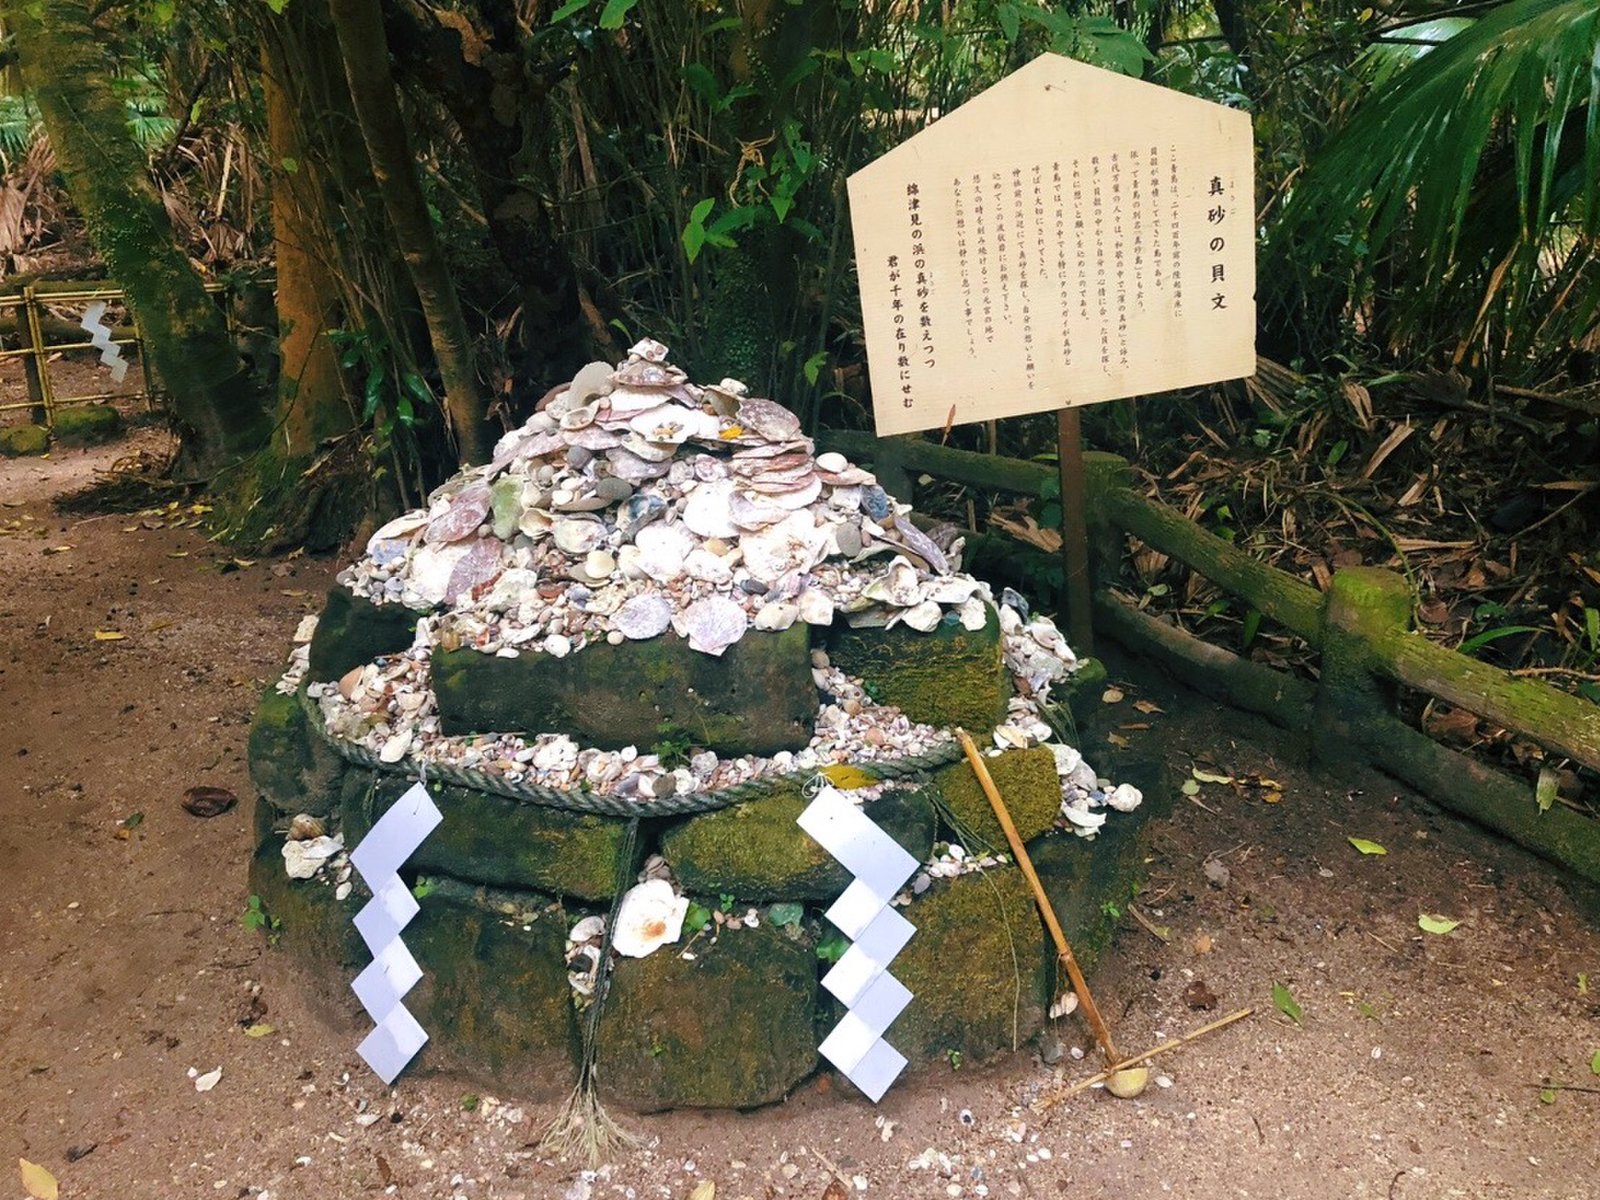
(758, 697)
(755, 851)
(494, 996)
(86, 424)
(294, 770)
(1027, 782)
(952, 676)
(487, 839)
(308, 925)
(730, 1029)
(352, 631)
(18, 440)
(975, 967)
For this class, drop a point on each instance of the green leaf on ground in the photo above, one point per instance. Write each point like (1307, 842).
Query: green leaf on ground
(1434, 923)
(1283, 1000)
(1544, 792)
(1547, 1095)
(1594, 1063)
(786, 914)
(1191, 787)
(1366, 847)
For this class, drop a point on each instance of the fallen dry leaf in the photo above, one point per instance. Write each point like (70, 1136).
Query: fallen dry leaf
(1199, 997)
(1148, 707)
(38, 1182)
(208, 801)
(1203, 943)
(108, 635)
(834, 1191)
(706, 1189)
(1111, 696)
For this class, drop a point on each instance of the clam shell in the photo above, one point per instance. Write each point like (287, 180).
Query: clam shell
(924, 617)
(579, 535)
(754, 512)
(816, 606)
(644, 616)
(794, 544)
(777, 616)
(578, 418)
(832, 462)
(703, 565)
(706, 511)
(592, 380)
(651, 452)
(712, 624)
(974, 615)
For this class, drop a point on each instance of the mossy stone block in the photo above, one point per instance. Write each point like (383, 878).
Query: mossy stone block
(1027, 782)
(730, 1029)
(352, 631)
(951, 676)
(755, 851)
(308, 924)
(976, 968)
(86, 425)
(759, 697)
(493, 995)
(488, 839)
(1083, 875)
(18, 440)
(292, 768)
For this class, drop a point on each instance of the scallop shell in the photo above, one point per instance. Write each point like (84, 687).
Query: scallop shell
(430, 571)
(461, 520)
(768, 419)
(629, 466)
(754, 512)
(706, 511)
(649, 917)
(480, 566)
(650, 349)
(672, 424)
(702, 564)
(662, 549)
(707, 468)
(794, 544)
(712, 624)
(579, 535)
(646, 615)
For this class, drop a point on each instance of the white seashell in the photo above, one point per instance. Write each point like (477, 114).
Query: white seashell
(796, 543)
(557, 645)
(777, 616)
(702, 564)
(712, 624)
(706, 511)
(579, 535)
(901, 585)
(342, 892)
(534, 523)
(591, 381)
(1082, 817)
(599, 564)
(1125, 797)
(560, 753)
(1009, 737)
(832, 462)
(587, 929)
(673, 424)
(649, 349)
(649, 917)
(924, 617)
(429, 576)
(662, 549)
(1067, 759)
(302, 860)
(974, 615)
(396, 747)
(644, 616)
(815, 606)
(579, 417)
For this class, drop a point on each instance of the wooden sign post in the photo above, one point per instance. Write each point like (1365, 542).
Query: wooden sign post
(1069, 236)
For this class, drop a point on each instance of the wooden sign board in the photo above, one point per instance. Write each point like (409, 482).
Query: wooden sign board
(1070, 235)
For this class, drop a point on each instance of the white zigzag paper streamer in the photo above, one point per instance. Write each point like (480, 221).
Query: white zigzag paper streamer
(100, 335)
(394, 837)
(860, 980)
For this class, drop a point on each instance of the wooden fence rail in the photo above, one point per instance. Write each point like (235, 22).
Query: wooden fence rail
(1361, 626)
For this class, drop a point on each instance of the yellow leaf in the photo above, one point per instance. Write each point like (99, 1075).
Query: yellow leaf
(731, 432)
(177, 554)
(241, 563)
(40, 1184)
(260, 1029)
(704, 1190)
(1210, 777)
(843, 775)
(57, 549)
(1117, 740)
(1366, 846)
(1273, 797)
(108, 635)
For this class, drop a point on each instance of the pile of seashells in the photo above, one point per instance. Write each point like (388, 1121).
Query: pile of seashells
(634, 502)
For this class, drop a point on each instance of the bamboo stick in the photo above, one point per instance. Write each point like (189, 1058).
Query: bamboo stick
(1096, 1022)
(1045, 1103)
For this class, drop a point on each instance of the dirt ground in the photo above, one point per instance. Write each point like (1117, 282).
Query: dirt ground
(1416, 1069)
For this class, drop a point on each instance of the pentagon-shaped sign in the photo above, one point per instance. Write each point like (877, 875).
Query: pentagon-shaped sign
(1070, 235)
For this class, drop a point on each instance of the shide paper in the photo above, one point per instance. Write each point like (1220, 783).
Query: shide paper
(860, 980)
(393, 971)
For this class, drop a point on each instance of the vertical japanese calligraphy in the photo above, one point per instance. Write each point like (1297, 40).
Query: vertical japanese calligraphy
(1031, 250)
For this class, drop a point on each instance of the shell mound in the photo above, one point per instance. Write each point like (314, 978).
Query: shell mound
(638, 507)
(658, 589)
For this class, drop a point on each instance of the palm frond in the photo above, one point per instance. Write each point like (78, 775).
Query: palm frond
(1469, 167)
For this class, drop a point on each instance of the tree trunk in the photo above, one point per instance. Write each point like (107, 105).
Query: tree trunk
(359, 25)
(312, 400)
(219, 412)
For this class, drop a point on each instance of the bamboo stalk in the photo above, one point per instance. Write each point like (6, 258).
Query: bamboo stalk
(1092, 1012)
(1045, 1103)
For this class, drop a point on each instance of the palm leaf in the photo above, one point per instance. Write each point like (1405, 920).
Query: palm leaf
(1465, 169)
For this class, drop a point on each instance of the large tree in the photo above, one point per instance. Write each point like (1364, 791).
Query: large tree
(66, 67)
